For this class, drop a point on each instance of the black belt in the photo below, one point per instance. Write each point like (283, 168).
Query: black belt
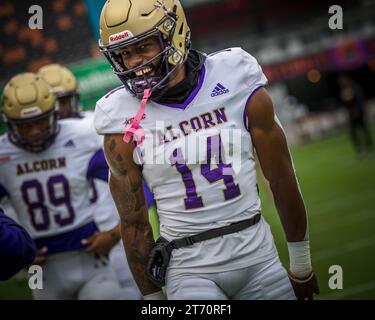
(213, 233)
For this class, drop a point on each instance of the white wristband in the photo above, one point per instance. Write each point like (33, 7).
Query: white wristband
(159, 295)
(299, 258)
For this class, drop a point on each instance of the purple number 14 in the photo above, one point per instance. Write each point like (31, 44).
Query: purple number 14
(214, 149)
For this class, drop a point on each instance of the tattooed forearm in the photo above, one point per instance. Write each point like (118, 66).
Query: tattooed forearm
(135, 229)
(127, 191)
(113, 155)
(112, 145)
(118, 158)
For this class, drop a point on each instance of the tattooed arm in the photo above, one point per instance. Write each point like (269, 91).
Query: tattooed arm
(125, 183)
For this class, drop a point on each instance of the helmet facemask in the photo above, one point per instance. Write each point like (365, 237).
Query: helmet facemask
(29, 109)
(164, 71)
(49, 135)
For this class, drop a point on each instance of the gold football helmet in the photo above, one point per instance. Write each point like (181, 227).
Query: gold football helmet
(64, 85)
(28, 102)
(128, 22)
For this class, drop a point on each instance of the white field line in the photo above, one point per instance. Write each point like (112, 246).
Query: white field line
(349, 219)
(336, 203)
(344, 293)
(346, 248)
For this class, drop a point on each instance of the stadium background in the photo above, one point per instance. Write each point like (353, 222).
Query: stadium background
(301, 57)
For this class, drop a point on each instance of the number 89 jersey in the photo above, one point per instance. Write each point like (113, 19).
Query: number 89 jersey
(50, 190)
(197, 156)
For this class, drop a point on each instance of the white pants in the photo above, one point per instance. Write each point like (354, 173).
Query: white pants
(77, 275)
(119, 263)
(263, 281)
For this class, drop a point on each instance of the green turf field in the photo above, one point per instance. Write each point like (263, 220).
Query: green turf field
(339, 191)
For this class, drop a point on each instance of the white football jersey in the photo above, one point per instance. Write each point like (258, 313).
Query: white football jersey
(50, 190)
(105, 212)
(192, 196)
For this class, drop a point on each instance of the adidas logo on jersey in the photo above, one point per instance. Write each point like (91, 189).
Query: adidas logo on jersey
(219, 90)
(70, 143)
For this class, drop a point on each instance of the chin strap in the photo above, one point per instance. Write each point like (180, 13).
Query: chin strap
(134, 128)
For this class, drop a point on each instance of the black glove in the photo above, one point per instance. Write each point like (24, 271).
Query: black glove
(304, 288)
(158, 262)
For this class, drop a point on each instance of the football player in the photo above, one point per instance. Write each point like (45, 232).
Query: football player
(46, 171)
(214, 242)
(64, 85)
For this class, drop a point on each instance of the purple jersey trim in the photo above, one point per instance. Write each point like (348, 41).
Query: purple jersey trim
(114, 90)
(68, 241)
(245, 109)
(98, 167)
(192, 94)
(148, 195)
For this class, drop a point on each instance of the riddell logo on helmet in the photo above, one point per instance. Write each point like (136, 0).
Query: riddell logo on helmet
(30, 112)
(118, 37)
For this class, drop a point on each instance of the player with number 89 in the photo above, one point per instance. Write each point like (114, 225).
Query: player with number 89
(46, 170)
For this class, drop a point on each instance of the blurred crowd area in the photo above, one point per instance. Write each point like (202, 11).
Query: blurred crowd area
(301, 56)
(66, 36)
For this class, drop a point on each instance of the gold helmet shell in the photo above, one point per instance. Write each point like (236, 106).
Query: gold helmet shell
(60, 79)
(25, 96)
(28, 98)
(64, 85)
(124, 22)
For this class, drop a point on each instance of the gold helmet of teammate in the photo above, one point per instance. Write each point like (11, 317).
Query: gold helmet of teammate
(29, 109)
(64, 85)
